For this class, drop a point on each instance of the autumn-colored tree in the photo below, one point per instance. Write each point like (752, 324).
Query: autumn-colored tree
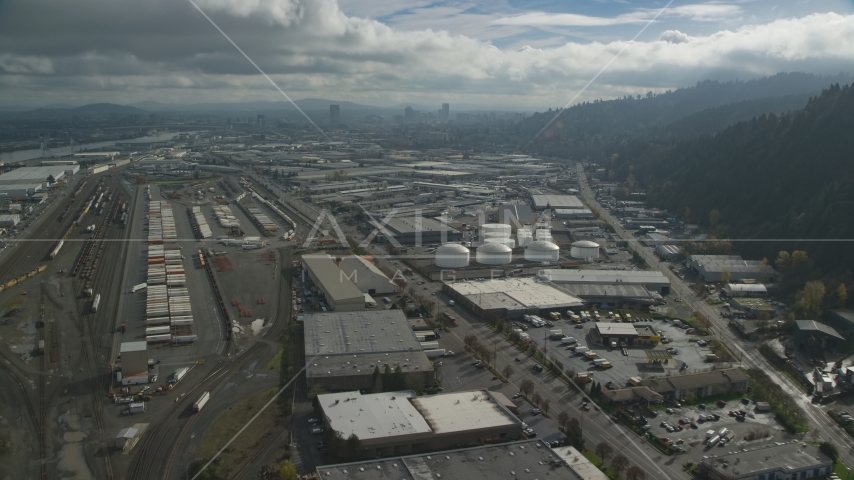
(619, 463)
(603, 450)
(726, 275)
(544, 406)
(714, 218)
(526, 387)
(562, 418)
(635, 473)
(536, 399)
(287, 471)
(507, 371)
(841, 296)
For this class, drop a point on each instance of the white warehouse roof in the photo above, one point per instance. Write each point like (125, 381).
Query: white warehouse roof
(376, 415)
(462, 411)
(605, 276)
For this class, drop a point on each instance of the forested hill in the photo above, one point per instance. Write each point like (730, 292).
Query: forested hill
(776, 176)
(585, 129)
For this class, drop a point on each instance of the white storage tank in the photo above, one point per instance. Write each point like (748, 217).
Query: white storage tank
(524, 237)
(584, 249)
(541, 251)
(543, 235)
(501, 228)
(452, 255)
(501, 240)
(494, 254)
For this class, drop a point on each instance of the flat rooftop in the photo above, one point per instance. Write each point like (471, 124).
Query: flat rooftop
(462, 411)
(369, 331)
(789, 457)
(614, 290)
(33, 174)
(607, 329)
(376, 415)
(604, 276)
(365, 363)
(522, 460)
(556, 201)
(514, 294)
(409, 225)
(332, 279)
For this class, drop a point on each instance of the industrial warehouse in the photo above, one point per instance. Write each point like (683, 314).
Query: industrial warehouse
(711, 268)
(652, 280)
(401, 423)
(344, 349)
(510, 297)
(488, 462)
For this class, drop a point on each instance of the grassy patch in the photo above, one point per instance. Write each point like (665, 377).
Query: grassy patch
(598, 462)
(714, 301)
(720, 350)
(784, 408)
(842, 471)
(233, 419)
(275, 363)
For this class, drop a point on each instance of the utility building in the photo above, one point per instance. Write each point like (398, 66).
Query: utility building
(367, 277)
(339, 292)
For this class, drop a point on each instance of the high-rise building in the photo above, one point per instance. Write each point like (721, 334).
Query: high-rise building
(334, 113)
(445, 112)
(409, 114)
(260, 121)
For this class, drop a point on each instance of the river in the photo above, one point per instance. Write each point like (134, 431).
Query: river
(36, 153)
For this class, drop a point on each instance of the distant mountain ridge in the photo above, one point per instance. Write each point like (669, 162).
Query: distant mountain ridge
(584, 130)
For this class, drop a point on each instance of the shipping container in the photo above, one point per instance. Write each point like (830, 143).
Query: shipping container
(200, 403)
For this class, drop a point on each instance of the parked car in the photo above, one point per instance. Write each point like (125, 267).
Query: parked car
(535, 411)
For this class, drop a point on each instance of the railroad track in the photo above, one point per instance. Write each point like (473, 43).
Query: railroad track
(144, 464)
(90, 324)
(34, 249)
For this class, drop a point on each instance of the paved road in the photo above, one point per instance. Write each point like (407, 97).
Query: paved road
(816, 416)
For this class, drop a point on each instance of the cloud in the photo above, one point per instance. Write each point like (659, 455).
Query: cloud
(696, 12)
(125, 51)
(674, 36)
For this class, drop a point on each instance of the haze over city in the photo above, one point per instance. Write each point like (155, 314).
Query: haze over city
(450, 239)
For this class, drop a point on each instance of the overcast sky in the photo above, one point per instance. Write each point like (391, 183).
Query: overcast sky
(525, 55)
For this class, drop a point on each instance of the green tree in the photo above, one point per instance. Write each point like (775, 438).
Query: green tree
(783, 262)
(287, 471)
(810, 300)
(353, 446)
(829, 449)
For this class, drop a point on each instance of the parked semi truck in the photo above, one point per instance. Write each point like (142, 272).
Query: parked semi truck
(96, 302)
(200, 403)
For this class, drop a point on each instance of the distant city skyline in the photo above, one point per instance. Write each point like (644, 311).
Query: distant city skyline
(520, 55)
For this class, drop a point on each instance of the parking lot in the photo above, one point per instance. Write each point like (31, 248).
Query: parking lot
(635, 364)
(693, 438)
(459, 373)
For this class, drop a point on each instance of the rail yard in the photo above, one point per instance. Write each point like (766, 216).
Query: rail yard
(130, 317)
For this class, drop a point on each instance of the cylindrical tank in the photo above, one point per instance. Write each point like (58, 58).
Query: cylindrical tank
(524, 237)
(494, 254)
(544, 235)
(452, 255)
(541, 251)
(584, 249)
(501, 240)
(495, 228)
